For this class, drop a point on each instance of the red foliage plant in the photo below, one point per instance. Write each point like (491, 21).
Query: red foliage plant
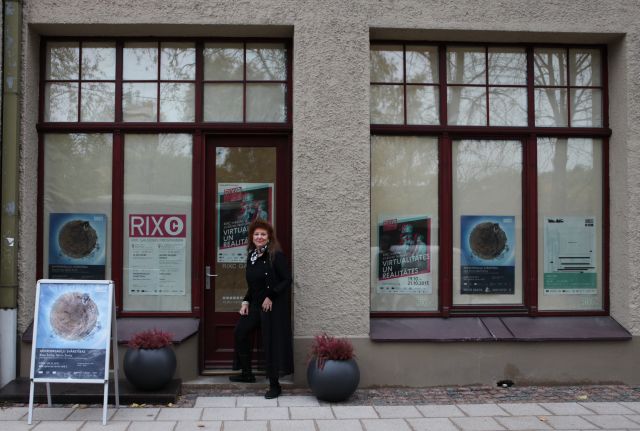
(150, 339)
(326, 347)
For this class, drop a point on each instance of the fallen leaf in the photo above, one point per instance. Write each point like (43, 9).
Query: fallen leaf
(582, 397)
(134, 405)
(542, 418)
(170, 405)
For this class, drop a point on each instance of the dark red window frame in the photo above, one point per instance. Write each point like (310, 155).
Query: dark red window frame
(528, 135)
(198, 129)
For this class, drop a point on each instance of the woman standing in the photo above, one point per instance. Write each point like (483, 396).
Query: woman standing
(267, 306)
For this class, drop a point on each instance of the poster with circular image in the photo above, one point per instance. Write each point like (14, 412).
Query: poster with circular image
(72, 329)
(487, 247)
(77, 246)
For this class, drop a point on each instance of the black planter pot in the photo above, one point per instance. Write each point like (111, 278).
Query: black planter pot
(336, 381)
(149, 369)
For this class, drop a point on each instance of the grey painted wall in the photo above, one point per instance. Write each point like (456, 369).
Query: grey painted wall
(331, 119)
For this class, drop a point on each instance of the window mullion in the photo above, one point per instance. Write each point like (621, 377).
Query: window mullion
(446, 224)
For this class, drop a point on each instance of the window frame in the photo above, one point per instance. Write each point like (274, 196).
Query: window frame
(198, 129)
(528, 135)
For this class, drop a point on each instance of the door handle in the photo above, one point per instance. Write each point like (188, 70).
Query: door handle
(207, 272)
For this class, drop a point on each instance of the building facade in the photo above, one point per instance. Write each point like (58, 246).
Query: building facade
(455, 183)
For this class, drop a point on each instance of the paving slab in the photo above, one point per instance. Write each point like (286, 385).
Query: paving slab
(524, 409)
(569, 423)
(292, 425)
(256, 402)
(90, 414)
(608, 408)
(135, 414)
(298, 401)
(152, 426)
(215, 402)
(17, 425)
(385, 425)
(523, 423)
(198, 426)
(267, 413)
(339, 424)
(432, 424)
(51, 413)
(12, 413)
(58, 426)
(244, 425)
(482, 410)
(180, 414)
(612, 421)
(566, 409)
(439, 411)
(354, 412)
(110, 426)
(223, 413)
(635, 418)
(390, 412)
(633, 405)
(311, 412)
(477, 423)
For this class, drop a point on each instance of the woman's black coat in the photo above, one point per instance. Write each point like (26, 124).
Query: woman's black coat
(277, 337)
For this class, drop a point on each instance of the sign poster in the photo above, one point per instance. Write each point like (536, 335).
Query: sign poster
(238, 205)
(569, 255)
(77, 246)
(404, 255)
(72, 330)
(157, 254)
(487, 254)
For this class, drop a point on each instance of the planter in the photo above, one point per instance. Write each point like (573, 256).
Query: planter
(149, 369)
(337, 381)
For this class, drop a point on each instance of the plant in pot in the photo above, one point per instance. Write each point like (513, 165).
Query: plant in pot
(150, 362)
(333, 374)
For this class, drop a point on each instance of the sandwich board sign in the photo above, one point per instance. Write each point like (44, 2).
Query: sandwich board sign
(74, 333)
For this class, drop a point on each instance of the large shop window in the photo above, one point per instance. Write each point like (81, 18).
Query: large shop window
(123, 128)
(489, 180)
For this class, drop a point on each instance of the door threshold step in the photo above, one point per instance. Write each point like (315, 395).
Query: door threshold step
(220, 380)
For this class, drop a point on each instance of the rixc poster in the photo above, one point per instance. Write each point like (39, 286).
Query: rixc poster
(569, 255)
(238, 205)
(157, 254)
(404, 256)
(77, 246)
(487, 254)
(71, 330)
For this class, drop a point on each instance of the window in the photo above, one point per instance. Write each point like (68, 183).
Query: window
(122, 141)
(488, 188)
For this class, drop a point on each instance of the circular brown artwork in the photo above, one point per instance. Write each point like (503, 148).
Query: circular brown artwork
(73, 315)
(77, 239)
(487, 240)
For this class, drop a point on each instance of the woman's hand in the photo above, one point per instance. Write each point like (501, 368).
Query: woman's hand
(267, 304)
(244, 309)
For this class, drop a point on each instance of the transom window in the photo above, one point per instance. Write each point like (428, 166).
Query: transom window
(489, 186)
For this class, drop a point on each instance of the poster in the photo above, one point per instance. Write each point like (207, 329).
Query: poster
(72, 330)
(487, 254)
(157, 254)
(569, 255)
(238, 205)
(404, 255)
(77, 246)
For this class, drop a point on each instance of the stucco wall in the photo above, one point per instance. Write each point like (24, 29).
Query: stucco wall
(331, 121)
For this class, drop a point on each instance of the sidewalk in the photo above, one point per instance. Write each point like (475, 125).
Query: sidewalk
(370, 410)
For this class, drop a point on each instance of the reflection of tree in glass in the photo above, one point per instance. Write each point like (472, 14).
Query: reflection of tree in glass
(267, 64)
(223, 63)
(64, 59)
(484, 166)
(466, 105)
(178, 63)
(245, 164)
(401, 163)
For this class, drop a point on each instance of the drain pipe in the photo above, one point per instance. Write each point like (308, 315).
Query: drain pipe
(11, 58)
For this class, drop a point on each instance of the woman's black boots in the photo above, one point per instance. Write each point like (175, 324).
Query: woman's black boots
(274, 388)
(247, 376)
